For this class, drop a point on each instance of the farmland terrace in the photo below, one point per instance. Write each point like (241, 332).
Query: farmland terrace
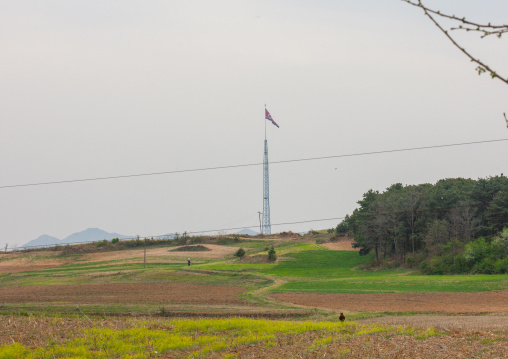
(312, 279)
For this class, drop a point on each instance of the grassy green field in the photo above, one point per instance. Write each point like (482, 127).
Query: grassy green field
(130, 273)
(327, 271)
(304, 267)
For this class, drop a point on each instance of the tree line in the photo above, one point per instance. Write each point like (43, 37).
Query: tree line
(435, 226)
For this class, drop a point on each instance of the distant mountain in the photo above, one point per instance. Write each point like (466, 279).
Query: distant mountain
(43, 240)
(90, 235)
(167, 236)
(248, 232)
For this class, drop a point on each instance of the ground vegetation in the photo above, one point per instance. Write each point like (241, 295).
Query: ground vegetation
(453, 226)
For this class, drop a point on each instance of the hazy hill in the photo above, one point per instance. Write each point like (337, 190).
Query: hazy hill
(43, 240)
(247, 231)
(90, 235)
(167, 236)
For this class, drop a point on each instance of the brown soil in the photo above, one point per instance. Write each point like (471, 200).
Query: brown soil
(21, 262)
(35, 332)
(343, 245)
(452, 303)
(216, 251)
(260, 258)
(39, 258)
(123, 293)
(444, 322)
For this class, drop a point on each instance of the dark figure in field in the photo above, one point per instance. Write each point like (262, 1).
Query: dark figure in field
(342, 317)
(188, 261)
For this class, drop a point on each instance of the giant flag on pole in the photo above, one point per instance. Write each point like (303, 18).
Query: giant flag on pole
(269, 117)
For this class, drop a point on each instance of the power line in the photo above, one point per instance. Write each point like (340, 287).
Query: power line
(438, 207)
(210, 230)
(257, 225)
(253, 164)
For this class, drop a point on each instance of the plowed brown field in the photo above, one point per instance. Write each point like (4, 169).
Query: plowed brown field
(123, 293)
(453, 303)
(446, 322)
(346, 245)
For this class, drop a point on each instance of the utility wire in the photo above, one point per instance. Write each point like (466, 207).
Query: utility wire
(466, 205)
(253, 164)
(208, 231)
(257, 226)
(365, 214)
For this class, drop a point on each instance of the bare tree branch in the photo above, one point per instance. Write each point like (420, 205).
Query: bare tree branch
(487, 30)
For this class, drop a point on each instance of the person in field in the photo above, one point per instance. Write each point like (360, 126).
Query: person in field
(342, 317)
(188, 261)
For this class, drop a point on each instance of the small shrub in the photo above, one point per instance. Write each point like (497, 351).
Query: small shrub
(228, 240)
(486, 266)
(501, 266)
(460, 265)
(102, 243)
(424, 267)
(115, 240)
(436, 266)
(240, 253)
(272, 255)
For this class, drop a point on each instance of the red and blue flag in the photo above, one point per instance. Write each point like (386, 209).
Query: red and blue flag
(269, 117)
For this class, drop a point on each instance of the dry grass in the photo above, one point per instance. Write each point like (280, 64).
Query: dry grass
(343, 245)
(21, 262)
(449, 323)
(321, 340)
(37, 260)
(216, 251)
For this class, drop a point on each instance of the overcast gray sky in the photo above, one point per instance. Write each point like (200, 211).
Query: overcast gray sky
(105, 88)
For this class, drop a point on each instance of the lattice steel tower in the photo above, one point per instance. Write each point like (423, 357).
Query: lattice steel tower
(266, 225)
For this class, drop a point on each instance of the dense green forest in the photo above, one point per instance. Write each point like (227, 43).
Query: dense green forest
(453, 226)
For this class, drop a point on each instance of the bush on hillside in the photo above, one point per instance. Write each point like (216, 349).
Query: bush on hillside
(272, 255)
(240, 253)
(101, 243)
